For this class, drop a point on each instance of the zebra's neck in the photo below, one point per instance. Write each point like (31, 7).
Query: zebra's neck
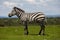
(19, 15)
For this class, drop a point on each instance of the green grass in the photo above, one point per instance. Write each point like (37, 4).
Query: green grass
(17, 33)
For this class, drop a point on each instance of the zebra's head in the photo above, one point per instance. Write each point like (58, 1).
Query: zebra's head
(16, 11)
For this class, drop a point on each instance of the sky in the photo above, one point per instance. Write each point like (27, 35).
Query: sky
(48, 7)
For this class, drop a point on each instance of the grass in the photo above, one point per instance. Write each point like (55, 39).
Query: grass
(17, 33)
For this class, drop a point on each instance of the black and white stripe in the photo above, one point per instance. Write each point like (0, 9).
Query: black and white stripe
(37, 16)
(32, 16)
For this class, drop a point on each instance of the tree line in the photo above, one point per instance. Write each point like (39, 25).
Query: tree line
(16, 21)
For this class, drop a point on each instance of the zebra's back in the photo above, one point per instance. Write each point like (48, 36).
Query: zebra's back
(37, 16)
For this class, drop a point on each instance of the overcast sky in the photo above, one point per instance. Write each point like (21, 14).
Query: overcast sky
(48, 7)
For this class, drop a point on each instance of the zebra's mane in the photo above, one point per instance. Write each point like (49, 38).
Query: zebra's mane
(19, 9)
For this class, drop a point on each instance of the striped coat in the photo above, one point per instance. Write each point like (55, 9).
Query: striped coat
(37, 16)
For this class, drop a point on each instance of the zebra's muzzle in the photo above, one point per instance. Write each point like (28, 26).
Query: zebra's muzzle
(9, 15)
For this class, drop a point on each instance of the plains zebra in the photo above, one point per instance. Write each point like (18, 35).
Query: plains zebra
(24, 17)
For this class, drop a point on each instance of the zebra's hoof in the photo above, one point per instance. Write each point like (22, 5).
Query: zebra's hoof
(26, 34)
(43, 34)
(39, 34)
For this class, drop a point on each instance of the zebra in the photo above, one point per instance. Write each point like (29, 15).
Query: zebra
(29, 17)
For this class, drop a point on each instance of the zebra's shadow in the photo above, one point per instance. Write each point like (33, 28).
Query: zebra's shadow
(39, 35)
(33, 34)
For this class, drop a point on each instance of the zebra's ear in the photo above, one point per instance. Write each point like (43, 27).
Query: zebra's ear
(14, 7)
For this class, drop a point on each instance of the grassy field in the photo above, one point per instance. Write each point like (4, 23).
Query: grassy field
(17, 33)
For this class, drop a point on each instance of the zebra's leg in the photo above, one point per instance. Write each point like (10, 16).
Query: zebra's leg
(42, 29)
(25, 28)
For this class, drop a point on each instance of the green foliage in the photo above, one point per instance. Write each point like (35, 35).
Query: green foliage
(16, 21)
(9, 21)
(53, 21)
